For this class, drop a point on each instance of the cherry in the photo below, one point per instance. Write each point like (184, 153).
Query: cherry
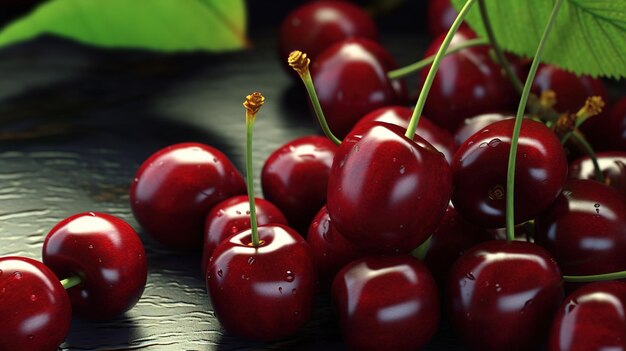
(315, 26)
(36, 312)
(441, 15)
(387, 193)
(400, 116)
(108, 256)
(503, 295)
(591, 318)
(480, 170)
(612, 165)
(351, 80)
(175, 188)
(232, 216)
(474, 124)
(467, 84)
(386, 303)
(585, 229)
(295, 177)
(331, 251)
(616, 126)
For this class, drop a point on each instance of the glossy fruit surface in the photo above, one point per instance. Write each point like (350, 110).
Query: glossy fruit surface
(107, 254)
(612, 164)
(503, 295)
(295, 177)
(616, 126)
(36, 312)
(331, 251)
(232, 216)
(351, 80)
(480, 166)
(585, 229)
(401, 116)
(386, 192)
(591, 318)
(175, 188)
(386, 303)
(315, 26)
(473, 124)
(266, 292)
(467, 84)
(441, 15)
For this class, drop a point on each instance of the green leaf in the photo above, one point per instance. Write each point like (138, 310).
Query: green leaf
(165, 25)
(589, 36)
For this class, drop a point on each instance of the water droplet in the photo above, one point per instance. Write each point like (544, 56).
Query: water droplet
(571, 305)
(496, 193)
(33, 297)
(394, 160)
(248, 212)
(482, 145)
(485, 131)
(215, 159)
(1, 272)
(220, 273)
(495, 142)
(219, 213)
(470, 276)
(289, 276)
(296, 313)
(245, 277)
(293, 291)
(100, 259)
(470, 143)
(401, 226)
(280, 289)
(92, 214)
(597, 206)
(234, 229)
(91, 246)
(402, 169)
(238, 212)
(250, 260)
(31, 337)
(17, 275)
(136, 179)
(498, 287)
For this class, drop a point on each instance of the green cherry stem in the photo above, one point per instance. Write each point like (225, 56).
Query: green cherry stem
(595, 277)
(416, 66)
(300, 63)
(71, 282)
(592, 155)
(422, 250)
(252, 104)
(421, 101)
(510, 182)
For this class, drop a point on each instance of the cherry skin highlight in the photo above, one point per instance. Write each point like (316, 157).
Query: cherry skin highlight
(612, 165)
(473, 124)
(503, 295)
(265, 292)
(175, 188)
(107, 254)
(479, 170)
(232, 216)
(36, 312)
(295, 177)
(616, 126)
(386, 303)
(441, 15)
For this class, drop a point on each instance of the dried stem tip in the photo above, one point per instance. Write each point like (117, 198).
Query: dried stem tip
(593, 106)
(548, 98)
(299, 61)
(253, 103)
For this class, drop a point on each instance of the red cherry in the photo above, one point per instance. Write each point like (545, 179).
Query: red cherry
(386, 303)
(480, 166)
(591, 318)
(313, 27)
(295, 177)
(265, 292)
(331, 251)
(387, 193)
(441, 15)
(232, 216)
(503, 295)
(36, 313)
(107, 254)
(585, 229)
(175, 188)
(467, 84)
(351, 80)
(472, 125)
(401, 116)
(612, 164)
(616, 126)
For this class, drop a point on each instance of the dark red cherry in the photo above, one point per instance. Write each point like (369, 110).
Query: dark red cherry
(472, 125)
(313, 27)
(36, 313)
(401, 116)
(503, 295)
(387, 193)
(351, 80)
(175, 188)
(331, 251)
(480, 166)
(265, 292)
(585, 229)
(386, 303)
(232, 216)
(107, 254)
(616, 126)
(295, 177)
(468, 83)
(591, 318)
(612, 164)
(441, 15)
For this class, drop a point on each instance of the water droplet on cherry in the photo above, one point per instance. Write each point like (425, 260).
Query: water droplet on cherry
(220, 273)
(280, 289)
(293, 291)
(470, 276)
(250, 260)
(402, 169)
(31, 337)
(482, 145)
(17, 275)
(289, 276)
(495, 142)
(33, 297)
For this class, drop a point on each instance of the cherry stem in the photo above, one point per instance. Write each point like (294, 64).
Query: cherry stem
(416, 66)
(71, 282)
(510, 182)
(300, 63)
(595, 277)
(252, 104)
(421, 251)
(592, 155)
(421, 101)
